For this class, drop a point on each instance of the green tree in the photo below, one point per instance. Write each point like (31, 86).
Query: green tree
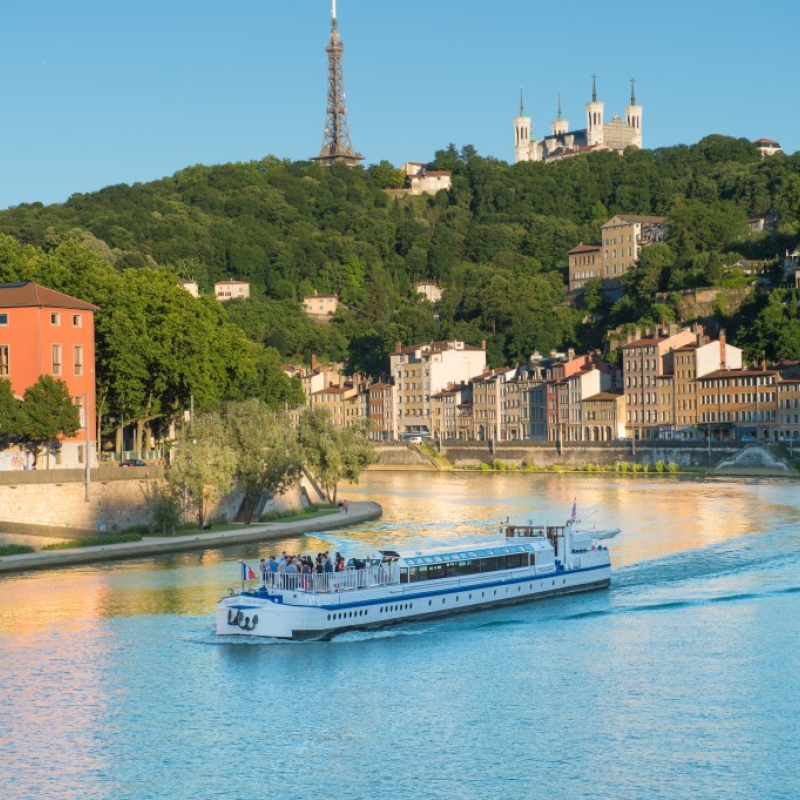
(10, 413)
(47, 414)
(203, 462)
(267, 452)
(333, 454)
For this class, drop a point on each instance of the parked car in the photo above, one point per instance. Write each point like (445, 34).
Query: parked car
(133, 462)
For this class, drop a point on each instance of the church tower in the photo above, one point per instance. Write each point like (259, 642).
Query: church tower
(633, 117)
(594, 117)
(522, 134)
(559, 126)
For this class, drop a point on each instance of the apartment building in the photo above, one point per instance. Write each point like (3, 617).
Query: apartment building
(44, 332)
(585, 264)
(623, 238)
(590, 380)
(488, 404)
(381, 412)
(342, 402)
(424, 369)
(694, 361)
(604, 417)
(445, 410)
(321, 305)
(648, 366)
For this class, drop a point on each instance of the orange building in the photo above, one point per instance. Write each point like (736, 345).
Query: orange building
(43, 332)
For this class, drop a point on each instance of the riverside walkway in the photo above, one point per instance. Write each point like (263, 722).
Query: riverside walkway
(202, 540)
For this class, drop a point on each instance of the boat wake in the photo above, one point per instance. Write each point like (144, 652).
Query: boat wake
(677, 604)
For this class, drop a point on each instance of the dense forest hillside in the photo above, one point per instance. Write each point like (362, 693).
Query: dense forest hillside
(496, 243)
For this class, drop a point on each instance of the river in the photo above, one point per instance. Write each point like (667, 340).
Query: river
(680, 681)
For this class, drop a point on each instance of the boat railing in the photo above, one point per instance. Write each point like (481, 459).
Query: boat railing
(332, 582)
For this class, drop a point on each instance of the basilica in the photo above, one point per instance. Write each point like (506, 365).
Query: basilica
(616, 134)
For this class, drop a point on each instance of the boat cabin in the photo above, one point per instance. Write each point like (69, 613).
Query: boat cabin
(414, 569)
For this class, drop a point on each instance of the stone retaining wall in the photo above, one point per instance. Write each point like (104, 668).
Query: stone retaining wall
(687, 455)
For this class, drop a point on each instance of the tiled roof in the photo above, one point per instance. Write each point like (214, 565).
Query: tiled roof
(29, 294)
(604, 396)
(584, 248)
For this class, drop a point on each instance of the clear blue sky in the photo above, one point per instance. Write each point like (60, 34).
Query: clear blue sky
(103, 93)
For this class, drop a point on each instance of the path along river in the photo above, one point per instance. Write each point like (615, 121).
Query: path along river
(681, 681)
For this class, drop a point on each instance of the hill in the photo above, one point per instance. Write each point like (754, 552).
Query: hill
(496, 243)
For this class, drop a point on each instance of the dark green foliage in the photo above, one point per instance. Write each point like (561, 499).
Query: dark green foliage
(496, 242)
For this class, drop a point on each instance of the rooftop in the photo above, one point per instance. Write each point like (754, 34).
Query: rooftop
(26, 294)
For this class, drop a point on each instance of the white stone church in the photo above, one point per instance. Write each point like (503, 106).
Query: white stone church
(616, 134)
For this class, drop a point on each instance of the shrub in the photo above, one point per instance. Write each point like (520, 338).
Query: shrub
(167, 513)
(498, 465)
(673, 467)
(621, 466)
(527, 464)
(485, 467)
(95, 541)
(15, 549)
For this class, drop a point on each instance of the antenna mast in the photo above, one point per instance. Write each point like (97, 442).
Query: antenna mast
(336, 145)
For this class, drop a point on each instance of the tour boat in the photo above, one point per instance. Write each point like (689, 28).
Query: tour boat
(525, 562)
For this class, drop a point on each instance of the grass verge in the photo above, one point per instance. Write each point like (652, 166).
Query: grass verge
(310, 512)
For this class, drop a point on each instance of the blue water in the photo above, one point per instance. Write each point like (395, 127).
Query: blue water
(681, 681)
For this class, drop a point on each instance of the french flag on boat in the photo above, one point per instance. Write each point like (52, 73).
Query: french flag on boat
(574, 510)
(247, 573)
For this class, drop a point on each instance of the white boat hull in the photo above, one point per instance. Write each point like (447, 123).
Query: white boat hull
(299, 616)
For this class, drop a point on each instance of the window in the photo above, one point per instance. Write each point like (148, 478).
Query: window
(4, 368)
(56, 357)
(77, 321)
(78, 351)
(77, 401)
(55, 318)
(3, 319)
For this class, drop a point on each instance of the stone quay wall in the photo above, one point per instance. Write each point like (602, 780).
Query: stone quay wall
(399, 457)
(544, 455)
(53, 502)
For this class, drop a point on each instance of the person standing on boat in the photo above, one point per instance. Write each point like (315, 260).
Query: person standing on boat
(328, 563)
(263, 566)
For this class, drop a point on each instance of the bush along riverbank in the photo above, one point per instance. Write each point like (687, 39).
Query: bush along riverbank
(623, 467)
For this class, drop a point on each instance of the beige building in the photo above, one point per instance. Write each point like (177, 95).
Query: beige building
(321, 305)
(624, 236)
(381, 412)
(425, 369)
(767, 147)
(585, 264)
(604, 417)
(190, 286)
(431, 291)
(342, 402)
(232, 290)
(693, 361)
(445, 407)
(488, 404)
(645, 363)
(424, 181)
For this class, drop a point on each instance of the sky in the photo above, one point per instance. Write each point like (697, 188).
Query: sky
(98, 94)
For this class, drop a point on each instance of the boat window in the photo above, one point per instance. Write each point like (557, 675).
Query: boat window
(529, 547)
(422, 573)
(437, 559)
(435, 571)
(403, 575)
(488, 564)
(472, 554)
(501, 562)
(463, 556)
(514, 561)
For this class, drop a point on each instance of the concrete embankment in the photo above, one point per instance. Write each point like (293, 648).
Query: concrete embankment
(157, 545)
(720, 458)
(398, 457)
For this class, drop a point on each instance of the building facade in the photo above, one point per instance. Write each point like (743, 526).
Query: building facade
(43, 332)
(585, 264)
(624, 236)
(231, 290)
(424, 369)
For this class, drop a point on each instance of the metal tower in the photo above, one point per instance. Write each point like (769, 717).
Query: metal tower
(336, 145)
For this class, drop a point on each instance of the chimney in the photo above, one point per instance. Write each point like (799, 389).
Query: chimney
(673, 329)
(637, 334)
(553, 355)
(483, 344)
(313, 361)
(398, 347)
(571, 354)
(723, 361)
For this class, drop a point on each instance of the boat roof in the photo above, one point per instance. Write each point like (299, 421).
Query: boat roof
(450, 554)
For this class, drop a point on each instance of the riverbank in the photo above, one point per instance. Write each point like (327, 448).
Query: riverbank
(157, 545)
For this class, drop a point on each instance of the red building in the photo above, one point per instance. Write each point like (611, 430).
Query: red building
(43, 332)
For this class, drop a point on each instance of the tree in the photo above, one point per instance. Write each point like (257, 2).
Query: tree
(10, 413)
(333, 454)
(204, 462)
(46, 414)
(267, 452)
